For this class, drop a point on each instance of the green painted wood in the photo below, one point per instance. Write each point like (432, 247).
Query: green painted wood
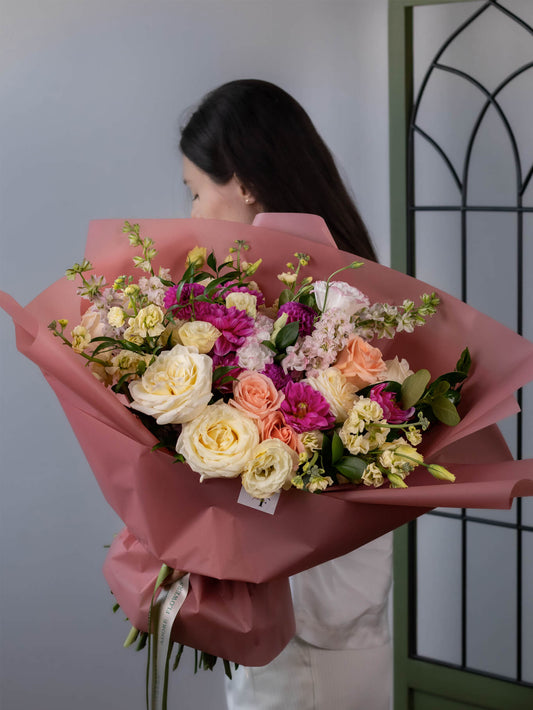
(427, 701)
(423, 684)
(472, 689)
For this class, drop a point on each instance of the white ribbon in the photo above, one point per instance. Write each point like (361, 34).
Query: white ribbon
(167, 610)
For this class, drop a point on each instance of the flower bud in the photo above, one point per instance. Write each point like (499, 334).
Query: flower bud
(396, 481)
(440, 472)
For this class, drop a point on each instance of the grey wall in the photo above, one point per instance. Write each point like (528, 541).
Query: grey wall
(91, 93)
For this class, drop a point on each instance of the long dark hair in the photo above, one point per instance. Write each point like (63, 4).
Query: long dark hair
(258, 132)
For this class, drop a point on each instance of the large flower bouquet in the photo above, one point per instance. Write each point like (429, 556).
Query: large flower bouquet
(282, 402)
(279, 394)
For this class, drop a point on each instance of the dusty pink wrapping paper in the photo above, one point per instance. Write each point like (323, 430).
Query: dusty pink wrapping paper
(201, 527)
(244, 622)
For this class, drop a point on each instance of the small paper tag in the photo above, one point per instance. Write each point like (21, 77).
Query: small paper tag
(267, 505)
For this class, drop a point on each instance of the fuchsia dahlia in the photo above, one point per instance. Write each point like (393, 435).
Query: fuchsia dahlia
(392, 412)
(305, 409)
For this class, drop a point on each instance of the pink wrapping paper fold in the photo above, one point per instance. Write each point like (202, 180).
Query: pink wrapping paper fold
(243, 622)
(200, 527)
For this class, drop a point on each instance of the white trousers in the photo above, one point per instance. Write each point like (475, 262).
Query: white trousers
(304, 677)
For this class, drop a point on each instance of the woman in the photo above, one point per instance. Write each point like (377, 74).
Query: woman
(248, 148)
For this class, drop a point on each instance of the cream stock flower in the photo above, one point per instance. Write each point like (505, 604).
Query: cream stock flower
(358, 434)
(319, 483)
(287, 278)
(147, 323)
(399, 458)
(127, 362)
(372, 476)
(80, 338)
(175, 388)
(219, 442)
(336, 390)
(270, 468)
(243, 302)
(311, 440)
(116, 317)
(200, 334)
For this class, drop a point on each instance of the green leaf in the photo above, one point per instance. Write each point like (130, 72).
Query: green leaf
(178, 657)
(285, 296)
(212, 262)
(438, 388)
(413, 388)
(452, 378)
(445, 411)
(326, 451)
(215, 283)
(351, 467)
(287, 336)
(464, 363)
(270, 345)
(337, 448)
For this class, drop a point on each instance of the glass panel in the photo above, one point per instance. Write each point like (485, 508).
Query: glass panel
(492, 172)
(438, 250)
(509, 429)
(504, 516)
(439, 588)
(491, 599)
(434, 182)
(491, 271)
(527, 514)
(527, 607)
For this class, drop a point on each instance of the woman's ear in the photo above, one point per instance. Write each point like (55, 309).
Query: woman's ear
(247, 196)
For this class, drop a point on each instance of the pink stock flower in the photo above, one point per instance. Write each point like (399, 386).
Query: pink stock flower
(305, 409)
(392, 412)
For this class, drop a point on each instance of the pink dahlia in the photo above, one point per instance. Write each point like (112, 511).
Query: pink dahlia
(187, 292)
(305, 409)
(277, 375)
(235, 325)
(392, 412)
(298, 312)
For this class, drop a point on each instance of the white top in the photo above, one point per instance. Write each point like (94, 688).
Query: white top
(343, 603)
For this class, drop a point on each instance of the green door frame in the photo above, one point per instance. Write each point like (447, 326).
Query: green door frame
(422, 684)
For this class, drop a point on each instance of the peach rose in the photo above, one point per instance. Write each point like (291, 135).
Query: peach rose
(273, 426)
(255, 394)
(360, 363)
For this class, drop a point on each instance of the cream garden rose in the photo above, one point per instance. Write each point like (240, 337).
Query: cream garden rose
(271, 468)
(199, 333)
(336, 390)
(219, 442)
(243, 302)
(176, 387)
